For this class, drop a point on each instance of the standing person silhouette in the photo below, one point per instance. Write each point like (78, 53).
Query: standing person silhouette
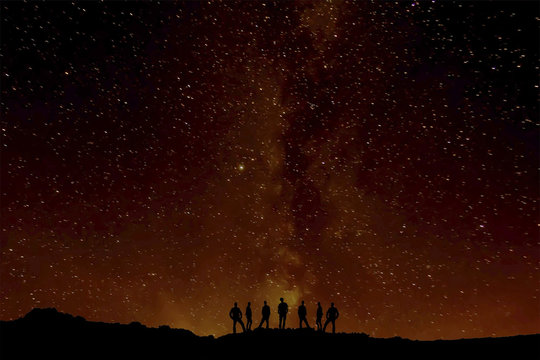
(319, 316)
(265, 314)
(331, 315)
(302, 313)
(248, 316)
(283, 309)
(236, 315)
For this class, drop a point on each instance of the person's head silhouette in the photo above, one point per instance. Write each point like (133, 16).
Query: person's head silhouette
(302, 302)
(319, 304)
(281, 299)
(332, 304)
(249, 304)
(264, 302)
(235, 304)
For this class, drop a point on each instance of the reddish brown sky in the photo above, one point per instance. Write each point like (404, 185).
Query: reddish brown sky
(160, 162)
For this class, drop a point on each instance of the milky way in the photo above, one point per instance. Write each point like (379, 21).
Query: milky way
(162, 161)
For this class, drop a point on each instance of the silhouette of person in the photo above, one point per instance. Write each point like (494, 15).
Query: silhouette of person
(248, 316)
(319, 316)
(302, 313)
(283, 309)
(331, 315)
(265, 314)
(236, 315)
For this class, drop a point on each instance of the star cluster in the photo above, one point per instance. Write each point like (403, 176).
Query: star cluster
(161, 161)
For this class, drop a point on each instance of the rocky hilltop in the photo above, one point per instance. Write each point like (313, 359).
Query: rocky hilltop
(47, 333)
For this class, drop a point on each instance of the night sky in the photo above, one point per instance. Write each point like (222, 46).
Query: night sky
(161, 161)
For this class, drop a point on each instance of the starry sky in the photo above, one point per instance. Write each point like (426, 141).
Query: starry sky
(161, 161)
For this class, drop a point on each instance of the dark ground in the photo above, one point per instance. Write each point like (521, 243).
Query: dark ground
(47, 333)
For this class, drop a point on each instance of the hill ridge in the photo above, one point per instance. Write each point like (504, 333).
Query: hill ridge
(62, 335)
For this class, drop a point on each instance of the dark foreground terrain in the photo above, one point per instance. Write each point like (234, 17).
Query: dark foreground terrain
(47, 333)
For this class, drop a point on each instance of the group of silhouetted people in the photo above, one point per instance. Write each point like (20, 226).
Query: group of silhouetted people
(331, 315)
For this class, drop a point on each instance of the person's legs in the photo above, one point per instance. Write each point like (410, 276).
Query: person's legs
(242, 324)
(234, 326)
(333, 326)
(325, 325)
